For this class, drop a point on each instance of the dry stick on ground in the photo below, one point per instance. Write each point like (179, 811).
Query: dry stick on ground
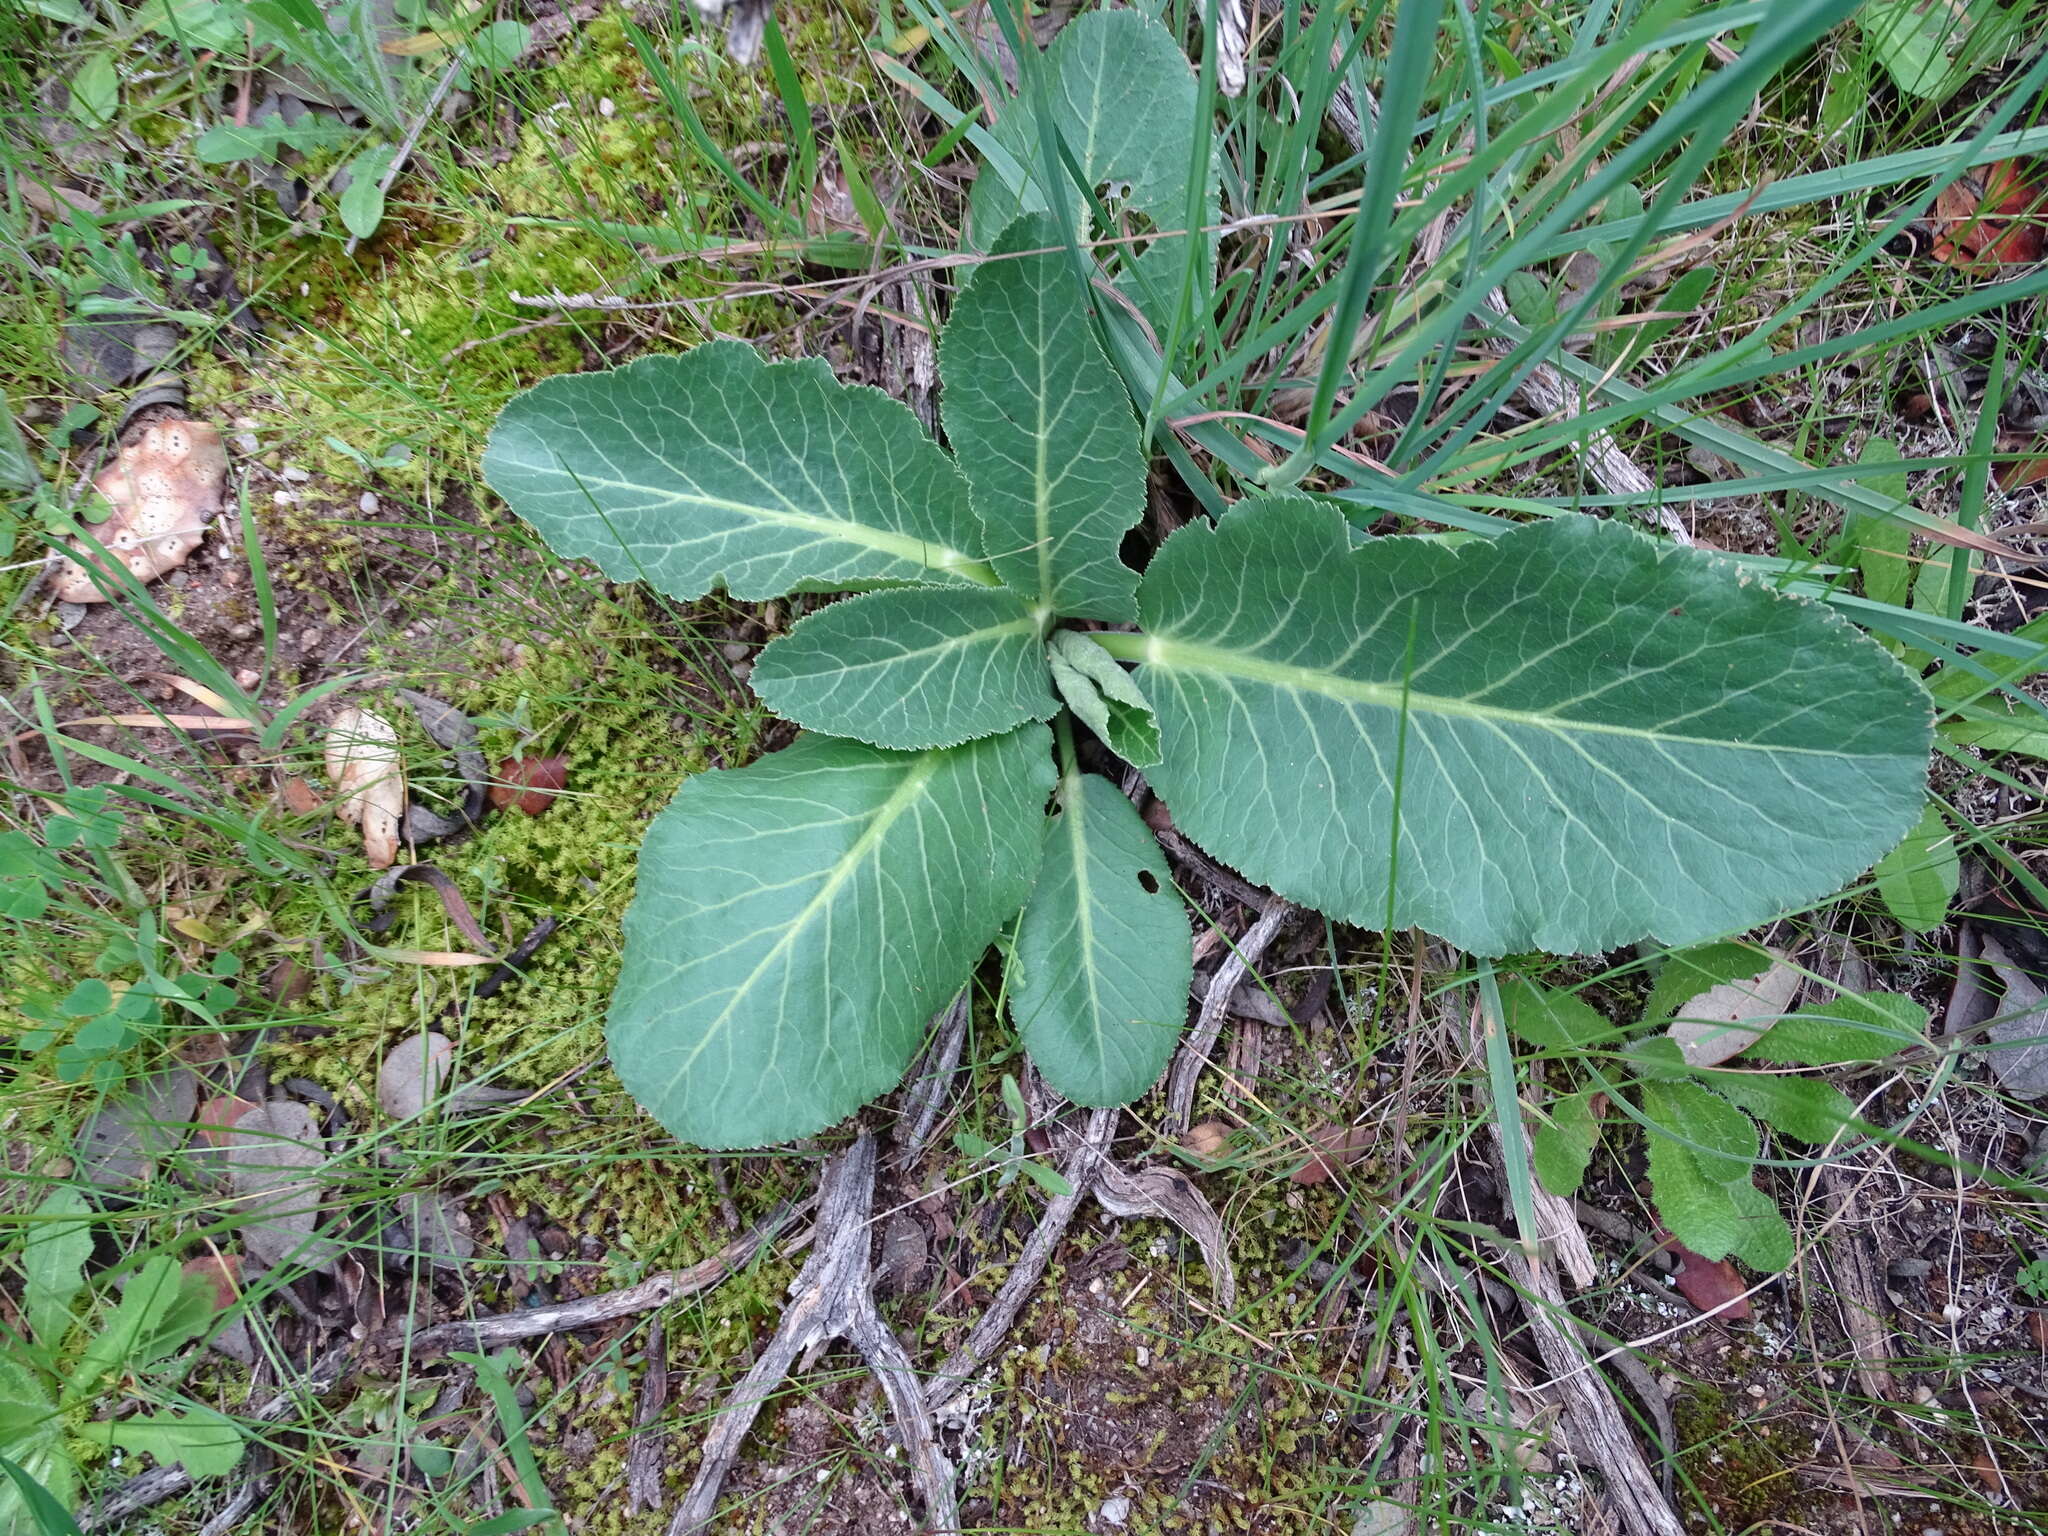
(929, 1082)
(487, 1333)
(1194, 1052)
(1162, 1191)
(1859, 1290)
(834, 1298)
(1557, 1223)
(643, 1454)
(1598, 1428)
(1079, 1171)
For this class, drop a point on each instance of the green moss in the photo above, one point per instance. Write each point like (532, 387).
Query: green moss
(1735, 1462)
(420, 337)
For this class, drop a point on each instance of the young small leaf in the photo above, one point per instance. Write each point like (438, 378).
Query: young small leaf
(1562, 1148)
(798, 920)
(1042, 429)
(1550, 1019)
(1883, 545)
(362, 202)
(160, 1310)
(926, 667)
(205, 1443)
(1100, 971)
(1918, 879)
(95, 91)
(1721, 1139)
(1575, 770)
(1103, 697)
(1763, 1241)
(717, 469)
(1855, 1026)
(53, 1259)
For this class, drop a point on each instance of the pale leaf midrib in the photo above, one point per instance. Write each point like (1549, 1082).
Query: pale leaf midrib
(892, 810)
(902, 546)
(1181, 655)
(1024, 625)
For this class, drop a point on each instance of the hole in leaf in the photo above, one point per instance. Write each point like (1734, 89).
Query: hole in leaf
(1149, 881)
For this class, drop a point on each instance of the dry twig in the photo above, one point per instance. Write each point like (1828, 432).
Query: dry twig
(833, 1298)
(1194, 1051)
(1079, 1171)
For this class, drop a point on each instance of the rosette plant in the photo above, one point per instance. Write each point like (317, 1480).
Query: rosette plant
(1566, 738)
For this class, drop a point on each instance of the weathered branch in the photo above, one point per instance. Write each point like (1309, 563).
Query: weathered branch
(834, 1297)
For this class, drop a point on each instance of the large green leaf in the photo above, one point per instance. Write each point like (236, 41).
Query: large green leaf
(715, 469)
(1571, 737)
(1103, 960)
(1043, 430)
(31, 1437)
(1804, 1107)
(923, 667)
(799, 919)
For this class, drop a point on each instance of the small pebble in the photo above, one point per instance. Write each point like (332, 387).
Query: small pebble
(1952, 1313)
(1114, 1511)
(241, 631)
(295, 474)
(367, 501)
(606, 107)
(247, 678)
(248, 442)
(283, 498)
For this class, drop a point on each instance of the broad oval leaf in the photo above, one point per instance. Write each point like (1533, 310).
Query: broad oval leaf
(1043, 430)
(1126, 107)
(1582, 738)
(799, 919)
(715, 469)
(1099, 978)
(924, 667)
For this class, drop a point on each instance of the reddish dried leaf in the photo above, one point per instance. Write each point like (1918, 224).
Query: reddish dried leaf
(1985, 1465)
(218, 1116)
(529, 785)
(1998, 220)
(221, 1271)
(2037, 1329)
(1708, 1283)
(1337, 1148)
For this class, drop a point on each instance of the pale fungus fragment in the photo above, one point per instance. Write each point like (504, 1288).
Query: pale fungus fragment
(164, 488)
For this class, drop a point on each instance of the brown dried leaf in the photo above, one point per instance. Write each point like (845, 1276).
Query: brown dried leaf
(1709, 1283)
(1724, 1021)
(1337, 1148)
(528, 785)
(164, 488)
(363, 763)
(300, 798)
